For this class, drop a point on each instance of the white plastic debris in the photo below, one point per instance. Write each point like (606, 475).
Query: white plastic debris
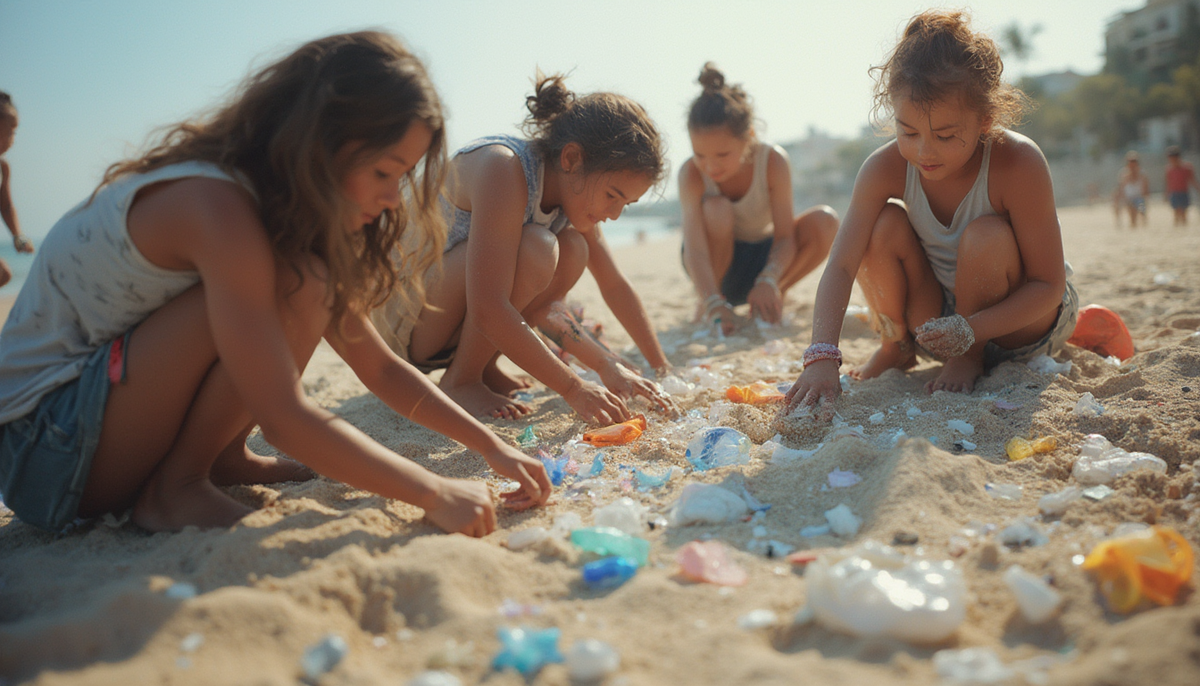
(1097, 493)
(706, 504)
(840, 479)
(565, 523)
(814, 531)
(874, 590)
(1023, 532)
(976, 666)
(774, 347)
(782, 454)
(913, 411)
(435, 678)
(877, 418)
(1056, 503)
(520, 540)
(758, 619)
(1088, 406)
(842, 521)
(1100, 462)
(769, 548)
(323, 656)
(1004, 491)
(1044, 364)
(180, 590)
(1164, 278)
(962, 427)
(592, 660)
(676, 386)
(1035, 598)
(624, 514)
(717, 446)
(192, 642)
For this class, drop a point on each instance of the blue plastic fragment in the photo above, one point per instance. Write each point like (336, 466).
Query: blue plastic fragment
(647, 482)
(556, 468)
(526, 649)
(609, 572)
(597, 465)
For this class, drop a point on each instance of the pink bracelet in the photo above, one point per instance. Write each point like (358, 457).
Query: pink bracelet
(822, 351)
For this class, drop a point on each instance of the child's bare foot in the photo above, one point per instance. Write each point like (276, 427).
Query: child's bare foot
(163, 506)
(481, 401)
(501, 383)
(958, 375)
(245, 467)
(890, 355)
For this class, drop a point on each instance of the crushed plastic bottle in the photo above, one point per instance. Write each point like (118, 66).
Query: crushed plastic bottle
(674, 385)
(520, 540)
(757, 393)
(1100, 462)
(1057, 503)
(323, 656)
(874, 590)
(623, 514)
(590, 661)
(975, 666)
(718, 447)
(609, 572)
(526, 649)
(1088, 406)
(1035, 598)
(528, 438)
(842, 521)
(606, 541)
(1152, 563)
(646, 481)
(1019, 448)
(710, 562)
(706, 504)
(434, 678)
(617, 434)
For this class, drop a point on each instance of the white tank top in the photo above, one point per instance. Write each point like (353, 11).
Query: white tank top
(940, 241)
(752, 221)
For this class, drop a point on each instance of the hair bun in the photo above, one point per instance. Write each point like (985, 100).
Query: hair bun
(550, 97)
(711, 78)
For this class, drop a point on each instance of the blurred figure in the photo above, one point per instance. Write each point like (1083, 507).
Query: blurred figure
(8, 131)
(1132, 189)
(1179, 177)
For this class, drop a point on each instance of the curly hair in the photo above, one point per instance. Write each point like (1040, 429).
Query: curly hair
(939, 56)
(720, 104)
(282, 130)
(614, 132)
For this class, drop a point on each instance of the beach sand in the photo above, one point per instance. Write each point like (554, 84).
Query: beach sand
(89, 606)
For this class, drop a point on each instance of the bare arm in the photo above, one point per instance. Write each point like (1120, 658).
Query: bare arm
(8, 212)
(696, 254)
(765, 298)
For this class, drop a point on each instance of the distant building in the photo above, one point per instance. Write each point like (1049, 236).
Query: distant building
(1145, 45)
(1056, 83)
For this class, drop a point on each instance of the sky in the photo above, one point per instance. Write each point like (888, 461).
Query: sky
(92, 80)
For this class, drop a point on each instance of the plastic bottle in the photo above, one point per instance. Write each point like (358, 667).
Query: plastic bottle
(609, 572)
(757, 393)
(617, 434)
(707, 504)
(606, 541)
(718, 446)
(1153, 563)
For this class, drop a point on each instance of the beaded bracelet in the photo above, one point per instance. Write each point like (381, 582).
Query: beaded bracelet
(766, 278)
(713, 302)
(822, 351)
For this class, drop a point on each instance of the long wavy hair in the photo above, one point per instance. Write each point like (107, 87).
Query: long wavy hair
(283, 129)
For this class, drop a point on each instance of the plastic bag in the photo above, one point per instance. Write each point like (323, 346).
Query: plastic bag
(617, 434)
(718, 446)
(1100, 462)
(757, 393)
(1153, 563)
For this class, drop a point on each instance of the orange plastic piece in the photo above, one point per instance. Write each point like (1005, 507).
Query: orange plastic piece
(1020, 448)
(1101, 330)
(617, 434)
(757, 393)
(709, 562)
(1152, 564)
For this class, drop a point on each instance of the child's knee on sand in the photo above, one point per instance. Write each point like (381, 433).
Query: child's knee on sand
(989, 240)
(537, 260)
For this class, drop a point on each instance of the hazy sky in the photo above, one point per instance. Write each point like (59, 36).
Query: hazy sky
(92, 79)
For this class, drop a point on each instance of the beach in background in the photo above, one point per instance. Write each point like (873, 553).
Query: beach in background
(107, 603)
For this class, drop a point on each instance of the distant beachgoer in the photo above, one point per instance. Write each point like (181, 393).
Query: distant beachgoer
(1180, 177)
(8, 131)
(525, 217)
(1133, 187)
(741, 242)
(952, 231)
(176, 308)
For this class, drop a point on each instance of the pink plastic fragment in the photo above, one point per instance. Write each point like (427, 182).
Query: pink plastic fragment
(710, 562)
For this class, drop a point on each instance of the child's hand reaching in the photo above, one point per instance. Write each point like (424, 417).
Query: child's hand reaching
(946, 337)
(463, 507)
(766, 301)
(596, 404)
(528, 472)
(22, 244)
(627, 383)
(818, 387)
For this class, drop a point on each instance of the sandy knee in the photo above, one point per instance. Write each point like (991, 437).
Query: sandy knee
(537, 260)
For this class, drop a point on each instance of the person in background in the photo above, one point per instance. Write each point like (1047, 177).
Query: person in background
(1180, 178)
(8, 131)
(1133, 188)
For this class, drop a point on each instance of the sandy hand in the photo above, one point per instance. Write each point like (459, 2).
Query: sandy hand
(596, 404)
(815, 393)
(627, 383)
(535, 487)
(946, 337)
(463, 507)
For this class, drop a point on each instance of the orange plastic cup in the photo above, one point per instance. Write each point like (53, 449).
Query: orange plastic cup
(1152, 564)
(757, 393)
(617, 434)
(1101, 330)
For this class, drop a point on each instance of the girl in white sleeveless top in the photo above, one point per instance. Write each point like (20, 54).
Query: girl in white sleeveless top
(741, 242)
(172, 312)
(952, 231)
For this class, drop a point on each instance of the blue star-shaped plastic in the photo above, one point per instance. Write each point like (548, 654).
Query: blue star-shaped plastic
(527, 650)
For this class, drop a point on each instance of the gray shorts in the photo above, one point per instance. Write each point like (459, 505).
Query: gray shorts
(1049, 344)
(45, 456)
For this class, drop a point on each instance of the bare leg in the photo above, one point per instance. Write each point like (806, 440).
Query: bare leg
(165, 426)
(501, 382)
(237, 464)
(900, 288)
(718, 236)
(988, 252)
(815, 229)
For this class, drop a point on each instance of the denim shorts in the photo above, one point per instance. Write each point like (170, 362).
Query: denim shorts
(1049, 344)
(45, 456)
(749, 259)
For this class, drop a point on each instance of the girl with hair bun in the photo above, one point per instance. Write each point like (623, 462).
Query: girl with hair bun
(524, 216)
(173, 311)
(952, 231)
(741, 242)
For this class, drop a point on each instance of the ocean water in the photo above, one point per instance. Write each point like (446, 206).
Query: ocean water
(625, 230)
